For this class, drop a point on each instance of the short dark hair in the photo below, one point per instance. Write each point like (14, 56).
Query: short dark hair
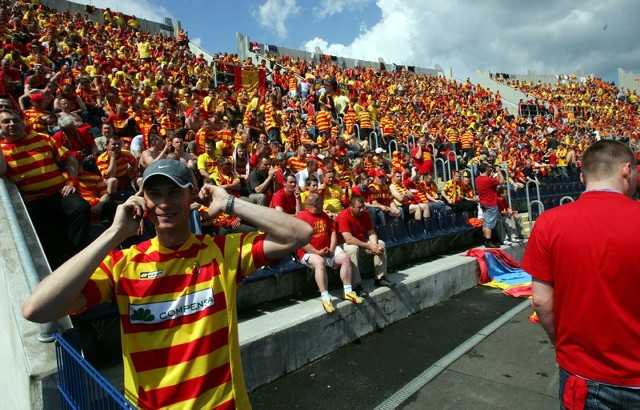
(601, 158)
(356, 198)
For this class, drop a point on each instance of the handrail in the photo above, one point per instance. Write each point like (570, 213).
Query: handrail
(391, 150)
(568, 199)
(503, 167)
(540, 208)
(537, 185)
(373, 135)
(435, 170)
(31, 274)
(411, 138)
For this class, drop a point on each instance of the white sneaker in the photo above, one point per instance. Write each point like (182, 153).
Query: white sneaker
(506, 242)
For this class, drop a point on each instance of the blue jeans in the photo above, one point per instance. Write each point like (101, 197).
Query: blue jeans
(604, 396)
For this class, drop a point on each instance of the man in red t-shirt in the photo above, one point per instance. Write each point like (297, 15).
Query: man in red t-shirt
(423, 157)
(360, 239)
(586, 282)
(323, 250)
(486, 186)
(287, 199)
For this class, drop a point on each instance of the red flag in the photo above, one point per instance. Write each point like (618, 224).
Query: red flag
(250, 80)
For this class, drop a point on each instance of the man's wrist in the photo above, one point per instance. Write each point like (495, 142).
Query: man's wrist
(230, 202)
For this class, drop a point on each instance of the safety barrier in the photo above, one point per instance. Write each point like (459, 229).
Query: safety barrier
(80, 385)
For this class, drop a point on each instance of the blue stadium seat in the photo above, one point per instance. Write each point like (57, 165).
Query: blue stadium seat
(286, 264)
(446, 223)
(384, 232)
(400, 233)
(460, 222)
(417, 229)
(432, 227)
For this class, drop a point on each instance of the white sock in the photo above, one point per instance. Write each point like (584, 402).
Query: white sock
(325, 295)
(347, 288)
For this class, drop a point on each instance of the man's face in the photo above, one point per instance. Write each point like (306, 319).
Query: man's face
(329, 177)
(107, 131)
(290, 184)
(225, 167)
(6, 104)
(167, 204)
(114, 145)
(313, 167)
(397, 178)
(12, 126)
(357, 208)
(264, 165)
(176, 143)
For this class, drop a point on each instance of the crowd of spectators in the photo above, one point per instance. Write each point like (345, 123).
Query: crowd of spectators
(120, 99)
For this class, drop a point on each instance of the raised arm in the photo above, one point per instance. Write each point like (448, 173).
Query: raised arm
(61, 292)
(285, 233)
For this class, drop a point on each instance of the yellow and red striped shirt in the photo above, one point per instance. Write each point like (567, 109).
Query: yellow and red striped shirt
(33, 120)
(296, 164)
(125, 163)
(32, 165)
(178, 318)
(323, 121)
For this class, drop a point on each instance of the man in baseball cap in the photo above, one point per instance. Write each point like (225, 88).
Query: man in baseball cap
(176, 293)
(176, 171)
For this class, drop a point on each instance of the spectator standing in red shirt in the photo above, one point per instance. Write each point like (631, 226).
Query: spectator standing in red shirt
(583, 259)
(488, 195)
(423, 157)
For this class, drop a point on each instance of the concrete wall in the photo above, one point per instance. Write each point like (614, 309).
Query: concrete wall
(145, 25)
(28, 378)
(242, 43)
(628, 80)
(510, 96)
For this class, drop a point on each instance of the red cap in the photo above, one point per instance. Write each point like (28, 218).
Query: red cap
(381, 173)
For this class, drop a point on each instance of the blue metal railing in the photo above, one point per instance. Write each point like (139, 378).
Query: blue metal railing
(80, 385)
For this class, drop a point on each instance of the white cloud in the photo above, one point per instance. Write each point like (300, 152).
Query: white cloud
(197, 41)
(273, 14)
(145, 9)
(546, 36)
(327, 8)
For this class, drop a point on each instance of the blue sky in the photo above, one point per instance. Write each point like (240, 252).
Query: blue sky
(545, 36)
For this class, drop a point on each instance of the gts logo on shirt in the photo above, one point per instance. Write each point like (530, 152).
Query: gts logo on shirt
(151, 275)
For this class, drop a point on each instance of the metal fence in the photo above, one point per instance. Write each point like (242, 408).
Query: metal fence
(81, 386)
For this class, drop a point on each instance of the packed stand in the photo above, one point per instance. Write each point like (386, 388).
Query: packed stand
(115, 99)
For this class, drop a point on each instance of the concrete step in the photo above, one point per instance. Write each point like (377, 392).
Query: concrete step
(277, 341)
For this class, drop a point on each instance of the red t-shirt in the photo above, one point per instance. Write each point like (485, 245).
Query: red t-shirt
(425, 163)
(503, 204)
(322, 225)
(486, 188)
(589, 253)
(286, 201)
(357, 226)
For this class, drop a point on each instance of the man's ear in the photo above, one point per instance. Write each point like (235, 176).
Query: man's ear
(626, 170)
